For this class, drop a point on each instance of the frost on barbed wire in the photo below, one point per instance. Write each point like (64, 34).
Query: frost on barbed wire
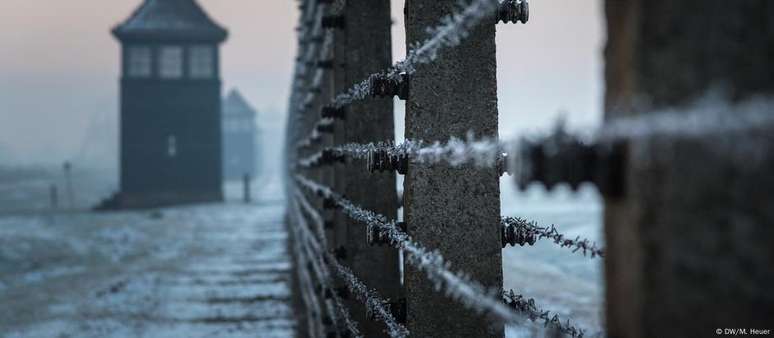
(457, 286)
(315, 250)
(318, 220)
(712, 114)
(528, 307)
(453, 29)
(305, 281)
(305, 284)
(351, 324)
(520, 231)
(449, 33)
(483, 153)
(371, 298)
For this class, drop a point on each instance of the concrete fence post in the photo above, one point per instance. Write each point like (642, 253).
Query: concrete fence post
(363, 46)
(689, 243)
(453, 210)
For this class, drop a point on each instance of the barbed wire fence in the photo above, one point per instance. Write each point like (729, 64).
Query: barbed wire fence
(327, 286)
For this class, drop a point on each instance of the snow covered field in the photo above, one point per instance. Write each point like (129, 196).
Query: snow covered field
(197, 271)
(223, 270)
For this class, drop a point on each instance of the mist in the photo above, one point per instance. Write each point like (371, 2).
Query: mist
(59, 72)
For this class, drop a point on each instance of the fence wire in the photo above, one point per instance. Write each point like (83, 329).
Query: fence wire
(457, 286)
(527, 307)
(484, 152)
(522, 232)
(452, 30)
(371, 298)
(315, 251)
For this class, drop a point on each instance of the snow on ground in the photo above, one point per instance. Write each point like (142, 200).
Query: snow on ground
(224, 270)
(218, 270)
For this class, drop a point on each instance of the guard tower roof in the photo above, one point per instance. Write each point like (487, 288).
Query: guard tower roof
(235, 105)
(170, 20)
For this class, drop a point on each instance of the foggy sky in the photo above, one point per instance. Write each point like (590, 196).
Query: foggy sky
(59, 67)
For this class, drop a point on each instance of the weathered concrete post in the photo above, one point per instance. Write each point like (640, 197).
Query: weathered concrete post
(453, 210)
(689, 243)
(364, 47)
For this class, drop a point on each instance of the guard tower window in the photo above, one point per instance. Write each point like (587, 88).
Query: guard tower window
(202, 62)
(139, 64)
(171, 62)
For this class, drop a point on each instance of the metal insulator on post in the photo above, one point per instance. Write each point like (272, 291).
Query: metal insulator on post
(327, 128)
(342, 292)
(378, 237)
(330, 204)
(333, 112)
(374, 236)
(381, 160)
(513, 235)
(340, 253)
(513, 11)
(384, 86)
(324, 64)
(333, 22)
(399, 310)
(328, 225)
(562, 158)
(530, 165)
(610, 169)
(502, 165)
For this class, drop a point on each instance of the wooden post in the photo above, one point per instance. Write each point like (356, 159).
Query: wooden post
(453, 210)
(364, 47)
(689, 244)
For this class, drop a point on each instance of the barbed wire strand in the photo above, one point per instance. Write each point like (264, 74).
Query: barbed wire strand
(314, 249)
(528, 307)
(450, 32)
(370, 297)
(528, 232)
(484, 152)
(311, 249)
(316, 217)
(314, 321)
(457, 286)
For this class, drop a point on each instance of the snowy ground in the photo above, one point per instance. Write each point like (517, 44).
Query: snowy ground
(199, 271)
(223, 270)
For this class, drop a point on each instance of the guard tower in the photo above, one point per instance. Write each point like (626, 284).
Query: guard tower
(240, 138)
(170, 105)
